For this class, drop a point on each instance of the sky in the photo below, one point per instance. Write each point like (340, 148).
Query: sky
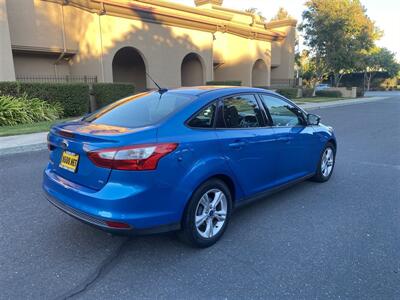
(386, 14)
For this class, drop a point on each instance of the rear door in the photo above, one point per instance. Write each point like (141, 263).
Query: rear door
(246, 143)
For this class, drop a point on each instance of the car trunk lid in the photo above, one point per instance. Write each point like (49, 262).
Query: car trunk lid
(71, 142)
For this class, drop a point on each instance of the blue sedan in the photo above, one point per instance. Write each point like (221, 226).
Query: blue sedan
(183, 159)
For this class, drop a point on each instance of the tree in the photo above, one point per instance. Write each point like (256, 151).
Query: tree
(282, 14)
(379, 60)
(311, 68)
(338, 32)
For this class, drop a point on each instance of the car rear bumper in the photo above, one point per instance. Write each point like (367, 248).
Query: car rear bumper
(115, 204)
(82, 216)
(101, 224)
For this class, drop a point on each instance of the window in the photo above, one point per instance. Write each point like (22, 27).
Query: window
(282, 113)
(140, 110)
(204, 119)
(241, 112)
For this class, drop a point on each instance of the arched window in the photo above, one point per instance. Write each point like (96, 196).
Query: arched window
(259, 74)
(128, 66)
(192, 70)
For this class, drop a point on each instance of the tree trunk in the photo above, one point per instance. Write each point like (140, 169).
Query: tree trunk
(313, 87)
(369, 79)
(335, 78)
(338, 80)
(365, 81)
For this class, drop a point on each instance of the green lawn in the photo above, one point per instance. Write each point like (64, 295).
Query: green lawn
(318, 99)
(29, 128)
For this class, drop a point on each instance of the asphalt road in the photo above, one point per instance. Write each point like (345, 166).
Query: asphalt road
(313, 241)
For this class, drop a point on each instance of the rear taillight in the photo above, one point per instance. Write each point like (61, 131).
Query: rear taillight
(131, 158)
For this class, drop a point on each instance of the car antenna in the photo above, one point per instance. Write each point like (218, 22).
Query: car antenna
(160, 89)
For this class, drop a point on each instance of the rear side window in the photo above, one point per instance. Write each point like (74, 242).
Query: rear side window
(241, 112)
(205, 118)
(140, 110)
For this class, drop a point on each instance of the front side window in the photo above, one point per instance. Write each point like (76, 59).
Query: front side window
(282, 113)
(241, 112)
(204, 119)
(140, 110)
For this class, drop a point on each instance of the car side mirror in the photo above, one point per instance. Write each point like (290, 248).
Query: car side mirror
(313, 119)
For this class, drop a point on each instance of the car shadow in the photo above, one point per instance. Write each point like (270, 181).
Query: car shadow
(78, 231)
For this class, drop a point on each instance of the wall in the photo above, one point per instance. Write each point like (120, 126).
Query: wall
(34, 64)
(347, 93)
(237, 56)
(82, 29)
(284, 67)
(276, 54)
(6, 60)
(36, 26)
(32, 24)
(162, 47)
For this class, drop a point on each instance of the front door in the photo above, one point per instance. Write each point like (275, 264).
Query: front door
(294, 138)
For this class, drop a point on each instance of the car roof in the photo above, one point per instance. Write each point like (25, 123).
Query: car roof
(220, 90)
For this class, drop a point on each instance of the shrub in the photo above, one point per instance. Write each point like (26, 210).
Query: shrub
(226, 82)
(360, 92)
(73, 97)
(308, 92)
(290, 93)
(107, 93)
(9, 88)
(23, 110)
(325, 93)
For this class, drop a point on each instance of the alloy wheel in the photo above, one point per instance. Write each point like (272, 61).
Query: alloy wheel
(211, 213)
(327, 162)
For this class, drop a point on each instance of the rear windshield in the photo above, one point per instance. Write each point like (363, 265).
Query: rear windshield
(140, 110)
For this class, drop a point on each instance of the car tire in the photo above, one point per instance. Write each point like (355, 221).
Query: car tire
(326, 163)
(206, 218)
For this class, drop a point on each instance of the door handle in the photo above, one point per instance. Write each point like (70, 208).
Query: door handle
(237, 145)
(285, 139)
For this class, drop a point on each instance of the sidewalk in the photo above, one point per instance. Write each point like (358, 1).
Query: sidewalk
(23, 143)
(37, 141)
(317, 105)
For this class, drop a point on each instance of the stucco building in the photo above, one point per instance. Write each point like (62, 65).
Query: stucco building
(119, 41)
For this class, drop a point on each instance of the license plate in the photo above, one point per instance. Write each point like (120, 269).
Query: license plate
(69, 161)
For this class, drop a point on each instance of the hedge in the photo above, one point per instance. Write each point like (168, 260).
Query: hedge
(72, 97)
(226, 82)
(290, 93)
(307, 93)
(333, 94)
(107, 93)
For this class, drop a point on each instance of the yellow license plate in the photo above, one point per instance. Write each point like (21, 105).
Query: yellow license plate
(69, 161)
